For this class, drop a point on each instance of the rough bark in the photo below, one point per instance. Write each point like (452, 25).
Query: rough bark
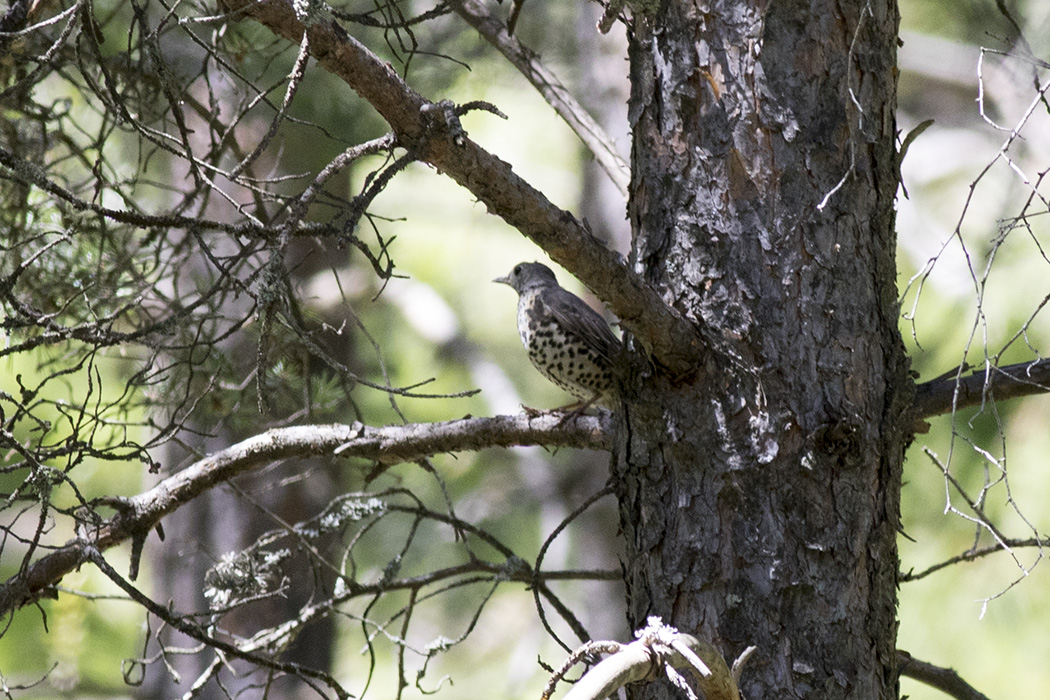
(760, 501)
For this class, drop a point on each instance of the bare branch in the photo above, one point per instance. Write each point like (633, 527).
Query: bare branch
(675, 342)
(944, 679)
(954, 391)
(630, 664)
(659, 650)
(548, 85)
(30, 173)
(139, 514)
(196, 632)
(1003, 545)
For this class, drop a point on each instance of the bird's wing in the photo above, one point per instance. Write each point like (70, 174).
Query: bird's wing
(573, 312)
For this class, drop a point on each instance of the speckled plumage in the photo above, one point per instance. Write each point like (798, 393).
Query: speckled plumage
(567, 340)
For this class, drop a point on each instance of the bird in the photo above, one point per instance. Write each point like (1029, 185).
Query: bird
(567, 340)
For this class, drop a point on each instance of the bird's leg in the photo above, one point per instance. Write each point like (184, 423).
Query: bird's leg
(575, 409)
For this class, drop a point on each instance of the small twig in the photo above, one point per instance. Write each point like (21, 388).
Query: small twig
(588, 649)
(537, 587)
(611, 14)
(194, 631)
(480, 105)
(553, 91)
(974, 554)
(741, 661)
(294, 79)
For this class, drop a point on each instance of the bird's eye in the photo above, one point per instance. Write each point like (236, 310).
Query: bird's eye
(517, 269)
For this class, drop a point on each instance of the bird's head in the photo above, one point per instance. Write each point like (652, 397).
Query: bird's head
(528, 275)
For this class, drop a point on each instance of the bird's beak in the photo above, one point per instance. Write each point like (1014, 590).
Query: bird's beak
(503, 280)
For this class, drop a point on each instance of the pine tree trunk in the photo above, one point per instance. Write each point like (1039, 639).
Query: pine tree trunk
(760, 497)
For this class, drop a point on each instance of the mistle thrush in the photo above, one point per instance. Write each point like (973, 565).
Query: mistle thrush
(567, 340)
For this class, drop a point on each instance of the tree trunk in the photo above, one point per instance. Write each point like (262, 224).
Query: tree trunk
(760, 496)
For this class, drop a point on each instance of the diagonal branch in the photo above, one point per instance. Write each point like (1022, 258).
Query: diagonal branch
(954, 391)
(138, 515)
(944, 679)
(673, 341)
(547, 84)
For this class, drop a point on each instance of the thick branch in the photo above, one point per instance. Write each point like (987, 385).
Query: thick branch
(548, 85)
(944, 679)
(139, 514)
(952, 392)
(659, 650)
(662, 330)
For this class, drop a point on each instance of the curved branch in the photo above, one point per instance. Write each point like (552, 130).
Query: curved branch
(658, 650)
(945, 680)
(954, 391)
(424, 128)
(547, 84)
(137, 515)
